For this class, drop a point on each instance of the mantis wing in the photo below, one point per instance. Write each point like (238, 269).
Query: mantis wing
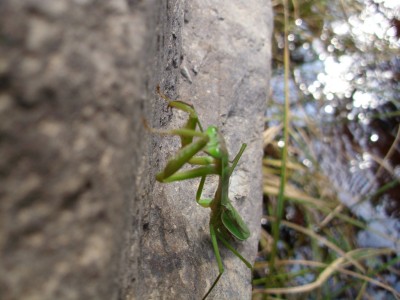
(234, 223)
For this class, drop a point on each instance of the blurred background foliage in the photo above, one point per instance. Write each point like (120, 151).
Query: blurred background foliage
(335, 198)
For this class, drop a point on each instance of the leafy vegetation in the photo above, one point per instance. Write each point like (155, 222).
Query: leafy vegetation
(310, 240)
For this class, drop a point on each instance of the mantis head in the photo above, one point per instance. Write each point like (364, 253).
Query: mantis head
(216, 146)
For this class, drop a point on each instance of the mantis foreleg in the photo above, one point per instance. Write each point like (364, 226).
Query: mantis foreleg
(205, 202)
(186, 107)
(184, 154)
(187, 174)
(237, 158)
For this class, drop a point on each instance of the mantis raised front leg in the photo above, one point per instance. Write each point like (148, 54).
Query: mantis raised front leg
(225, 220)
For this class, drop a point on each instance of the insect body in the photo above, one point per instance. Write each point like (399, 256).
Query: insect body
(225, 221)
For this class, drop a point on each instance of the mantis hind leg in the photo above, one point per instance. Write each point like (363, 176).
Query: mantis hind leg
(234, 251)
(214, 236)
(218, 258)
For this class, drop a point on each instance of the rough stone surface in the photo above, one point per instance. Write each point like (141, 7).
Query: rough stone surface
(81, 216)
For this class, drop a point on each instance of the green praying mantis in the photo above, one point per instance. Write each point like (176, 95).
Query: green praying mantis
(225, 221)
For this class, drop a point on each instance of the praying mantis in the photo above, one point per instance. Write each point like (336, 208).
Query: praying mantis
(225, 220)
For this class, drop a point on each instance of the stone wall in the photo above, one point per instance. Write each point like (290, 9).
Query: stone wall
(81, 216)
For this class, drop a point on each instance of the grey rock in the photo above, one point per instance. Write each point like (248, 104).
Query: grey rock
(226, 50)
(81, 215)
